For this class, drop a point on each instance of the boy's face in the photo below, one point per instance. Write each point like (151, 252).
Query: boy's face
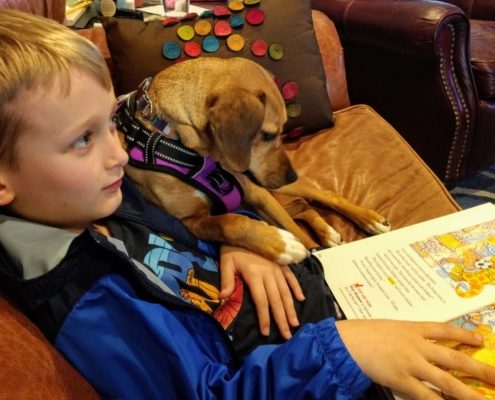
(70, 158)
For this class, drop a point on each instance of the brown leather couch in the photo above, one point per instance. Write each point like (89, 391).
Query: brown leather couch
(362, 157)
(427, 67)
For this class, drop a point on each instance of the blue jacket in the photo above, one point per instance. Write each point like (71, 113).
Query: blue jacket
(127, 332)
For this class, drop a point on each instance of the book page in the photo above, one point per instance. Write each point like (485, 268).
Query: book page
(432, 271)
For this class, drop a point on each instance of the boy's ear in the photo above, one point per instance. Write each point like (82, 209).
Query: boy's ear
(6, 193)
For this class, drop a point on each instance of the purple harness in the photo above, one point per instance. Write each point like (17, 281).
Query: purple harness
(152, 150)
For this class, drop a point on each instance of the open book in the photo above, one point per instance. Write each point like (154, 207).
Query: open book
(439, 270)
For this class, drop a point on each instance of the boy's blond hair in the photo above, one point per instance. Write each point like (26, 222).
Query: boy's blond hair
(36, 52)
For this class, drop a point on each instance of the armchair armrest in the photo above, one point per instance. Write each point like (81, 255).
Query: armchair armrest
(407, 27)
(408, 59)
(483, 9)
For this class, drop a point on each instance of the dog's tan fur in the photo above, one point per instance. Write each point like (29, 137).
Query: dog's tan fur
(232, 111)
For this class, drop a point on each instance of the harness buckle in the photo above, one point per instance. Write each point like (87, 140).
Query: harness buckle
(143, 102)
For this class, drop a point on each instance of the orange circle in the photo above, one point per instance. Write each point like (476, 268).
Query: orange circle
(202, 27)
(236, 5)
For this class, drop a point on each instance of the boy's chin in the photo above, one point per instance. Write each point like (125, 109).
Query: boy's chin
(112, 205)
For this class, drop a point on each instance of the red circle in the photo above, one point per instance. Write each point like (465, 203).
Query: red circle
(222, 29)
(259, 48)
(296, 132)
(221, 11)
(290, 90)
(170, 21)
(256, 16)
(192, 49)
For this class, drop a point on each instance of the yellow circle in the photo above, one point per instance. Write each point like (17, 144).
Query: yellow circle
(235, 42)
(185, 32)
(236, 5)
(202, 27)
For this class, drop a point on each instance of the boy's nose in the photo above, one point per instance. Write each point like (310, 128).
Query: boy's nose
(117, 153)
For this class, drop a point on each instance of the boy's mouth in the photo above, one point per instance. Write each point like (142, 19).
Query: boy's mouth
(114, 186)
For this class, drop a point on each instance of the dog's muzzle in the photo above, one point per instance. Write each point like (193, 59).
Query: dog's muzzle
(290, 177)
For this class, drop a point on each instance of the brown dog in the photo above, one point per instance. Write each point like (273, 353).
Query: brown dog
(231, 111)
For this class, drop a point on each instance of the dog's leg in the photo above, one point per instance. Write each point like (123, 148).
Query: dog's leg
(271, 210)
(239, 230)
(367, 219)
(299, 209)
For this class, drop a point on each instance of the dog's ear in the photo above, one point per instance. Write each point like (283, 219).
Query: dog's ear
(235, 116)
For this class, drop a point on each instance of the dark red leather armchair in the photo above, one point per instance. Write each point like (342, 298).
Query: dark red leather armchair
(428, 67)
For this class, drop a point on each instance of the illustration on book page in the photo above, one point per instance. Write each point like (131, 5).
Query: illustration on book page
(465, 257)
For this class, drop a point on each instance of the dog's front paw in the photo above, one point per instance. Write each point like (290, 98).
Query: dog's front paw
(295, 251)
(377, 227)
(330, 237)
(371, 221)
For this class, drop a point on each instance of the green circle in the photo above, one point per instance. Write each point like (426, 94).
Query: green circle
(293, 109)
(275, 51)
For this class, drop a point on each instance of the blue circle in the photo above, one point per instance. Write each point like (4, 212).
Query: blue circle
(171, 50)
(236, 21)
(210, 44)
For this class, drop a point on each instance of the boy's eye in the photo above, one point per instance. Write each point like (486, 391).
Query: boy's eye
(83, 141)
(112, 122)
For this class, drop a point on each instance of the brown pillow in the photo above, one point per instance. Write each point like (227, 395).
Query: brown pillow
(136, 50)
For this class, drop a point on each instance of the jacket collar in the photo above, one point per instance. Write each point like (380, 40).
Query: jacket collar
(33, 248)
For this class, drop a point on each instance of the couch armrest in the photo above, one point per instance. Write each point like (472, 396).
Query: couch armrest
(405, 26)
(408, 59)
(483, 9)
(332, 56)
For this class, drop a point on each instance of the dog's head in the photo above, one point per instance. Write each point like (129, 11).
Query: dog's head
(244, 127)
(230, 110)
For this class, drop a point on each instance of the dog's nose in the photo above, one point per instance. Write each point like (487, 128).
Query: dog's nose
(291, 176)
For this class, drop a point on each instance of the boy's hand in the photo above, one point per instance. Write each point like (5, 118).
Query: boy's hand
(269, 283)
(401, 354)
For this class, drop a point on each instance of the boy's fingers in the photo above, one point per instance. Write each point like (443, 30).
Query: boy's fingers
(448, 384)
(261, 303)
(455, 360)
(293, 283)
(277, 306)
(441, 331)
(227, 279)
(414, 389)
(287, 300)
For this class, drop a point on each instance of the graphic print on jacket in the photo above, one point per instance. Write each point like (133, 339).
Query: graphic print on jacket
(189, 274)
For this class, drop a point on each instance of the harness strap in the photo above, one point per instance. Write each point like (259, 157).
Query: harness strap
(153, 151)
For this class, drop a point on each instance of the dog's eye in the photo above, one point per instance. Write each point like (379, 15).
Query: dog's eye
(267, 137)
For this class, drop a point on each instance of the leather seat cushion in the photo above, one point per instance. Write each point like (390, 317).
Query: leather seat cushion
(364, 159)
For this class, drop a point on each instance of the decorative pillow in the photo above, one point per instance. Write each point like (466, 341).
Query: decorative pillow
(141, 49)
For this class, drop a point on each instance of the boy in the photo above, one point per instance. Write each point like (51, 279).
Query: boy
(104, 275)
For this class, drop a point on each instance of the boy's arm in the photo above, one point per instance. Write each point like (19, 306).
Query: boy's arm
(129, 348)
